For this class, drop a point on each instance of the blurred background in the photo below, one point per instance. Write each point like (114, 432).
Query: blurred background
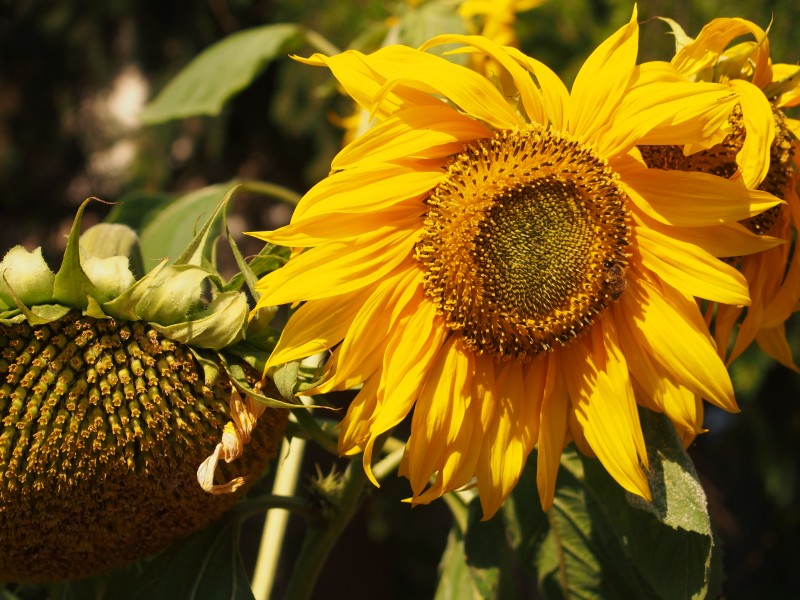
(73, 77)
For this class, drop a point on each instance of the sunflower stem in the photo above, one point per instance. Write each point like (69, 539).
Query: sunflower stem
(319, 42)
(319, 540)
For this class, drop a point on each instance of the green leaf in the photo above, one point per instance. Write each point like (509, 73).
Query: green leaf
(603, 542)
(137, 209)
(205, 565)
(476, 563)
(220, 72)
(285, 378)
(106, 240)
(173, 229)
(455, 578)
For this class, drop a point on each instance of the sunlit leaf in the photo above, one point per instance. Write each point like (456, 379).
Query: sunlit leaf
(220, 72)
(173, 229)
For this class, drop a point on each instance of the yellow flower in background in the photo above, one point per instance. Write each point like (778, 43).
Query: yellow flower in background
(763, 151)
(497, 17)
(498, 261)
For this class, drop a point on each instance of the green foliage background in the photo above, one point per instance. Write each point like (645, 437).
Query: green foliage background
(59, 61)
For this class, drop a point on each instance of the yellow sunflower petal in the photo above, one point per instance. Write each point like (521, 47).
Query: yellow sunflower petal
(728, 239)
(690, 268)
(337, 268)
(362, 83)
(407, 361)
(372, 187)
(552, 432)
(600, 389)
(671, 329)
(529, 94)
(773, 341)
(705, 199)
(324, 228)
(355, 426)
(601, 82)
(759, 125)
(555, 95)
(473, 93)
(790, 75)
(418, 132)
(661, 107)
(507, 442)
(656, 385)
(461, 466)
(705, 50)
(439, 414)
(315, 327)
(362, 351)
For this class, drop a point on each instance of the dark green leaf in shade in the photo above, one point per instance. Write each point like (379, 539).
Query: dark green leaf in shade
(205, 565)
(455, 578)
(602, 542)
(220, 72)
(476, 561)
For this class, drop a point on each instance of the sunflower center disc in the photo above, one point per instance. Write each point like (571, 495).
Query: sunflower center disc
(525, 242)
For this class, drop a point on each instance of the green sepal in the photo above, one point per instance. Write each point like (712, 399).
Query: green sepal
(124, 306)
(220, 325)
(72, 286)
(239, 380)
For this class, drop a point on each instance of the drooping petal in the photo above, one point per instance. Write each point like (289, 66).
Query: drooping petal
(362, 351)
(759, 126)
(406, 364)
(439, 414)
(704, 52)
(552, 432)
(773, 341)
(354, 430)
(508, 439)
(316, 327)
(690, 268)
(671, 329)
(363, 83)
(600, 389)
(602, 81)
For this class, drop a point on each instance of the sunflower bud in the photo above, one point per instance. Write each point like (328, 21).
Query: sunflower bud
(25, 275)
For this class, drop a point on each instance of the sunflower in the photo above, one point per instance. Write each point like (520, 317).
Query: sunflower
(762, 149)
(497, 260)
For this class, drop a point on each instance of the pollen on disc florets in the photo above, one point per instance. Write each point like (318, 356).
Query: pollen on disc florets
(102, 427)
(525, 242)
